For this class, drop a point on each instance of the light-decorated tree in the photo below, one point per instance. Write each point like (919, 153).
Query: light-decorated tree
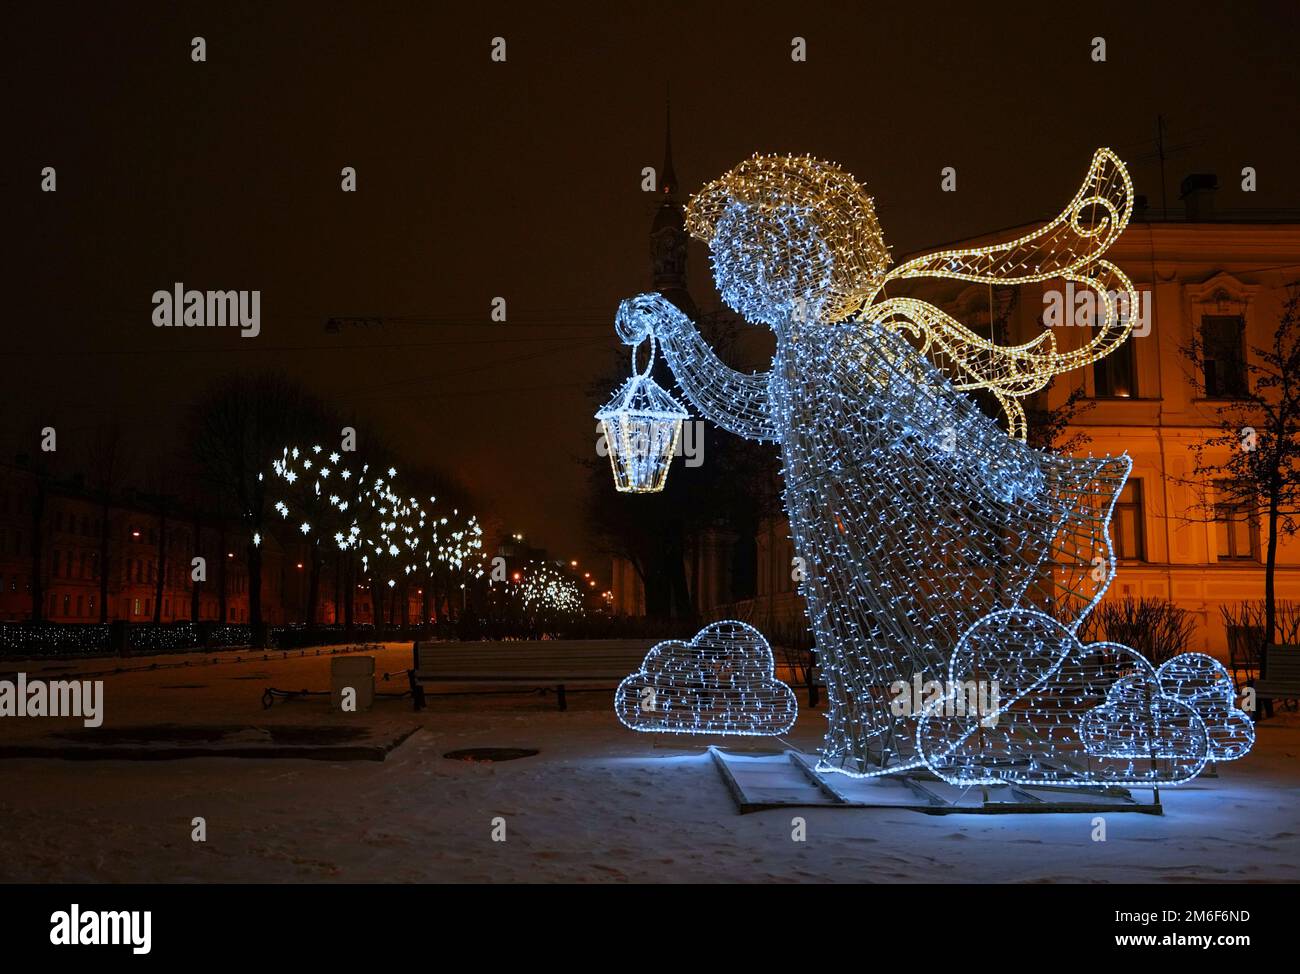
(547, 597)
(313, 502)
(453, 557)
(386, 532)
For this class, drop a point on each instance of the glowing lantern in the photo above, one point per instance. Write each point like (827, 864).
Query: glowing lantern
(642, 425)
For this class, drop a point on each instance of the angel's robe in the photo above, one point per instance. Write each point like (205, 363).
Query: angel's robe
(914, 513)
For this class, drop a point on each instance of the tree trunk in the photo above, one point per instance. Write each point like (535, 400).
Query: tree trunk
(196, 587)
(161, 567)
(1270, 564)
(338, 586)
(104, 531)
(38, 552)
(221, 575)
(658, 597)
(349, 592)
(377, 607)
(313, 584)
(254, 584)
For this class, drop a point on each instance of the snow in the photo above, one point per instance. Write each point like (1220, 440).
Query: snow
(598, 804)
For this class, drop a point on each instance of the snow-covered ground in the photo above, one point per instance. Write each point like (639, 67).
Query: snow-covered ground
(598, 804)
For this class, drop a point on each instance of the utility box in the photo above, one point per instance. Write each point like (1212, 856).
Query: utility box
(357, 673)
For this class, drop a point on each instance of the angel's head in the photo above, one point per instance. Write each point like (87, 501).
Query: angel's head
(790, 237)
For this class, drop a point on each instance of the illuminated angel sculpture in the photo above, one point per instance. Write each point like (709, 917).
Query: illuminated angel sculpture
(917, 517)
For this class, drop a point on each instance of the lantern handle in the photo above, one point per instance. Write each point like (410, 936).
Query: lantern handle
(650, 361)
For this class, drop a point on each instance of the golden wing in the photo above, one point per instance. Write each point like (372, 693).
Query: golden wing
(1083, 232)
(1069, 247)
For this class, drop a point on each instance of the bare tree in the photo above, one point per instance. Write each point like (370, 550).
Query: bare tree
(1047, 426)
(234, 430)
(1156, 628)
(1253, 456)
(159, 497)
(42, 477)
(108, 461)
(44, 467)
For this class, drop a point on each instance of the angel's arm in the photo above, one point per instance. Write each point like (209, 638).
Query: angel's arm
(736, 401)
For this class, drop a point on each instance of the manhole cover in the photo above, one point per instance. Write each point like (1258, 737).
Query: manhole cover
(492, 754)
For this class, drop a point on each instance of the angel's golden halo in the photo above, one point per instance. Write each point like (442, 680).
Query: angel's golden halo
(1069, 248)
(838, 208)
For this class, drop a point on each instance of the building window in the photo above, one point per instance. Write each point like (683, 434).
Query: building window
(1236, 529)
(1126, 523)
(1223, 338)
(1114, 376)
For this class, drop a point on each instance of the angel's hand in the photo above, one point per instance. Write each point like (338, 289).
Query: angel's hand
(736, 401)
(636, 317)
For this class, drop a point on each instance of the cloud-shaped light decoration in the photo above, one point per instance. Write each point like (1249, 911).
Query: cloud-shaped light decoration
(1067, 713)
(1203, 683)
(721, 682)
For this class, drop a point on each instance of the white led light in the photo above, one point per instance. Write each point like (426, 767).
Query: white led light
(936, 545)
(721, 682)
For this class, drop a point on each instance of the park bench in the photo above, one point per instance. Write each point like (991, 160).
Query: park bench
(1279, 677)
(544, 664)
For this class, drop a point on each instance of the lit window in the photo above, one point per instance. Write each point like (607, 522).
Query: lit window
(1223, 338)
(1113, 377)
(1126, 523)
(1235, 527)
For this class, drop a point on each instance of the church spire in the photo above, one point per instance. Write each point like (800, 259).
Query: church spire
(668, 233)
(668, 178)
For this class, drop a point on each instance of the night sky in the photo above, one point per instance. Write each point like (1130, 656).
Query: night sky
(478, 179)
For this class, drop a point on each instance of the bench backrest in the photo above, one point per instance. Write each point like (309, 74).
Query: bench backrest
(598, 657)
(1282, 663)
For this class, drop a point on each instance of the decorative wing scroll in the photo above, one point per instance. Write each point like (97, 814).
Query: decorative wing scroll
(1070, 248)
